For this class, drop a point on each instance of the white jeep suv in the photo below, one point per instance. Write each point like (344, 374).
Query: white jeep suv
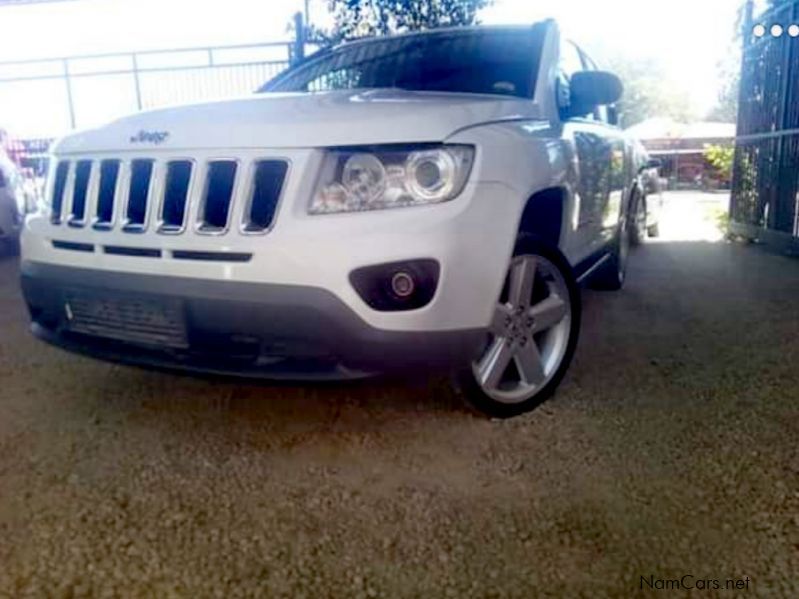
(424, 200)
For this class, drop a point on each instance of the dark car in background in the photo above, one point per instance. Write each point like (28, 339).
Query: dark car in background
(12, 205)
(646, 213)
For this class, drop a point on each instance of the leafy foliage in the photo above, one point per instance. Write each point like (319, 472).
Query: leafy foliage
(359, 18)
(648, 92)
(726, 108)
(721, 158)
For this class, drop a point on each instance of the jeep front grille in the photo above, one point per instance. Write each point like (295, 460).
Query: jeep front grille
(141, 179)
(266, 188)
(219, 182)
(147, 194)
(59, 188)
(83, 171)
(176, 192)
(109, 176)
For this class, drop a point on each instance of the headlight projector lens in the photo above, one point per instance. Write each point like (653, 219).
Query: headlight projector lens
(431, 175)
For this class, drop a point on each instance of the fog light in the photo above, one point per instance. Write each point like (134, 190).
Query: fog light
(397, 286)
(402, 284)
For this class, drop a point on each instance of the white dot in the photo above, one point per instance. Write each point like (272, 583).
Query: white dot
(759, 30)
(776, 30)
(793, 30)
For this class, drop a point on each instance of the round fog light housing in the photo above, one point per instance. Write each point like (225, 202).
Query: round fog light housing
(403, 284)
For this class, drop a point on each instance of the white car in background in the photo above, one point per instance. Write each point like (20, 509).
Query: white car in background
(425, 200)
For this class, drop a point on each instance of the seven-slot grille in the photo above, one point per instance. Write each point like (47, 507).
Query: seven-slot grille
(147, 194)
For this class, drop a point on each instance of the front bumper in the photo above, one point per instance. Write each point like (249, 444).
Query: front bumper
(238, 328)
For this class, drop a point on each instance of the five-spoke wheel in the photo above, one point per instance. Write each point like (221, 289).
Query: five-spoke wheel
(531, 336)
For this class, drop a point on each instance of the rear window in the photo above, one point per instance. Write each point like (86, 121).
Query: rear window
(490, 61)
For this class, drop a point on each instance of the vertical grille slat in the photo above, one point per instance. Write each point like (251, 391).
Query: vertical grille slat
(267, 186)
(83, 171)
(141, 175)
(59, 187)
(219, 184)
(109, 175)
(176, 192)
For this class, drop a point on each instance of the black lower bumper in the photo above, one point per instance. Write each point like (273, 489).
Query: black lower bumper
(226, 327)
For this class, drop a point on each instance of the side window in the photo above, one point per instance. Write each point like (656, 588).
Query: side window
(570, 59)
(335, 80)
(570, 63)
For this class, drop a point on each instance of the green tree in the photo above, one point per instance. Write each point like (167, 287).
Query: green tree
(726, 108)
(648, 92)
(359, 18)
(721, 158)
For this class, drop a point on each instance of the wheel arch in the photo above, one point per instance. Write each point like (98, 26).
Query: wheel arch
(544, 215)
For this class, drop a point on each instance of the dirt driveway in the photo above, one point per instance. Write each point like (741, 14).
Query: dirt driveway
(670, 450)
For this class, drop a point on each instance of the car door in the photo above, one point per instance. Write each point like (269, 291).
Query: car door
(599, 150)
(612, 206)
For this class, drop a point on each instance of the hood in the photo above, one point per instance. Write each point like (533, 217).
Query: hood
(352, 117)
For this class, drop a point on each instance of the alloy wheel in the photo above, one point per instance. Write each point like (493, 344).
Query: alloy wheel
(529, 333)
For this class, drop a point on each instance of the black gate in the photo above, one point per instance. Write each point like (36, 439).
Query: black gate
(765, 200)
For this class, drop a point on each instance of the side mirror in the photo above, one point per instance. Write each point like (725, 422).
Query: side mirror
(589, 89)
(652, 163)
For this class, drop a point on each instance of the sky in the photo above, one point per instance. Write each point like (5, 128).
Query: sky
(688, 37)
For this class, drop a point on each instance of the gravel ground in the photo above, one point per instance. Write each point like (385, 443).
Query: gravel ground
(670, 449)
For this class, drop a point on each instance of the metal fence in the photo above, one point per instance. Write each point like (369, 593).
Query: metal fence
(765, 199)
(52, 96)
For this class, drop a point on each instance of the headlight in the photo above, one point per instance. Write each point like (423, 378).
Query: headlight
(355, 180)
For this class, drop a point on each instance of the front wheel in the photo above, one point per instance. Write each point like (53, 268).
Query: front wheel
(532, 336)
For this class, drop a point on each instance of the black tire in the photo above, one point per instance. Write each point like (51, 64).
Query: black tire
(612, 274)
(653, 230)
(465, 378)
(638, 228)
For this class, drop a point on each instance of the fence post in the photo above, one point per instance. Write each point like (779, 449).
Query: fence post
(299, 39)
(776, 213)
(746, 36)
(136, 83)
(70, 102)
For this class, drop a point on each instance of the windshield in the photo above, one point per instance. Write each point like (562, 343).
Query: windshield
(488, 61)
